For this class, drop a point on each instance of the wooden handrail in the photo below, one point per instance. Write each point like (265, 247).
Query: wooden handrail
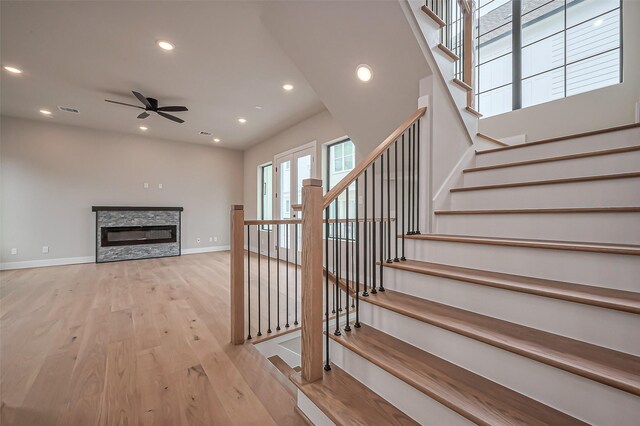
(273, 222)
(373, 156)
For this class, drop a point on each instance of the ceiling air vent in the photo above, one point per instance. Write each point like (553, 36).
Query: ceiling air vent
(69, 109)
(203, 133)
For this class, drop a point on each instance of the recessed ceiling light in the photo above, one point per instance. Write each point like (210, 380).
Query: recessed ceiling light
(165, 45)
(143, 128)
(13, 70)
(258, 107)
(364, 73)
(288, 87)
(45, 112)
(242, 120)
(216, 140)
(598, 22)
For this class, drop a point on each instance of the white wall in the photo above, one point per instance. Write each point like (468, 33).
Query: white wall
(321, 128)
(52, 174)
(607, 107)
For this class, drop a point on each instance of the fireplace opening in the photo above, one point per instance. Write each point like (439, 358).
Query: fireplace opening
(132, 235)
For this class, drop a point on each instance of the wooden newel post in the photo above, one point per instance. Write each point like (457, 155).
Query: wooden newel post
(311, 270)
(237, 275)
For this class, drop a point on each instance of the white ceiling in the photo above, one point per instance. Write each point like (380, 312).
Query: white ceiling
(77, 54)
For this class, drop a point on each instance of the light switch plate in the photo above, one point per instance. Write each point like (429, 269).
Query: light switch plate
(45, 249)
(146, 185)
(14, 251)
(159, 186)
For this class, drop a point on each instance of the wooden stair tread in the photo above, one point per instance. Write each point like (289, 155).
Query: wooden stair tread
(543, 211)
(470, 395)
(548, 182)
(621, 300)
(286, 370)
(463, 85)
(607, 366)
(489, 138)
(476, 113)
(562, 138)
(434, 16)
(542, 244)
(444, 49)
(346, 401)
(552, 159)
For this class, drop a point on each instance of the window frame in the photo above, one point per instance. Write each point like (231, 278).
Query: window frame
(263, 190)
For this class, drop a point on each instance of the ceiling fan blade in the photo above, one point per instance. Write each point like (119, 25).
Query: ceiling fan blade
(170, 117)
(144, 115)
(142, 99)
(122, 103)
(173, 108)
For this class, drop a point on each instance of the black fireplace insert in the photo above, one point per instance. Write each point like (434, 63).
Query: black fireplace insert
(133, 235)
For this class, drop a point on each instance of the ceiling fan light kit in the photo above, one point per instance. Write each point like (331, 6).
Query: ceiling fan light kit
(151, 105)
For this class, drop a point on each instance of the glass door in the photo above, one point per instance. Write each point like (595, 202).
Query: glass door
(291, 170)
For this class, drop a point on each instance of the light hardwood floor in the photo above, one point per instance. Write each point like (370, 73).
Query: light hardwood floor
(139, 342)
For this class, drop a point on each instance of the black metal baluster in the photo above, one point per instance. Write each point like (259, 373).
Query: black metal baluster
(388, 223)
(286, 231)
(365, 247)
(404, 177)
(259, 302)
(395, 159)
(339, 269)
(409, 185)
(373, 229)
(336, 288)
(413, 179)
(295, 290)
(249, 281)
(418, 183)
(269, 279)
(381, 286)
(346, 254)
(278, 276)
(335, 255)
(357, 263)
(327, 366)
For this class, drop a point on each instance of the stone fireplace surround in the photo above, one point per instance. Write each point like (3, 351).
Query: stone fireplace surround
(127, 216)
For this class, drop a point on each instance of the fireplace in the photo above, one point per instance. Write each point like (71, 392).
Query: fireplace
(128, 233)
(131, 235)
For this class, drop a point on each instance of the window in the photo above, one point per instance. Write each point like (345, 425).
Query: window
(340, 161)
(266, 193)
(565, 47)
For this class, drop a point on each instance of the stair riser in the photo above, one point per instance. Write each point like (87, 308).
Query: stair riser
(600, 193)
(580, 397)
(619, 228)
(406, 398)
(604, 327)
(597, 269)
(590, 166)
(571, 146)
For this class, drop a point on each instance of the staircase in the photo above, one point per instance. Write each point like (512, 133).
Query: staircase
(510, 296)
(524, 306)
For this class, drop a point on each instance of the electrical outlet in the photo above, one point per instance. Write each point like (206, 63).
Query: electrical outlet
(159, 186)
(215, 239)
(45, 249)
(198, 240)
(145, 185)
(14, 251)
(210, 239)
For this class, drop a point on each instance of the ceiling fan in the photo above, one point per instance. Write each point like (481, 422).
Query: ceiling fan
(151, 105)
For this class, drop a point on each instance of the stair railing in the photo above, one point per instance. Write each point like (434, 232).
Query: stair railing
(362, 222)
(347, 237)
(457, 35)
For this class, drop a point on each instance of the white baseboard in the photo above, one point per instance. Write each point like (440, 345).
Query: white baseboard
(47, 262)
(89, 259)
(205, 249)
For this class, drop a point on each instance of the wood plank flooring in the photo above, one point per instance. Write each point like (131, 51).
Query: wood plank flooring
(139, 342)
